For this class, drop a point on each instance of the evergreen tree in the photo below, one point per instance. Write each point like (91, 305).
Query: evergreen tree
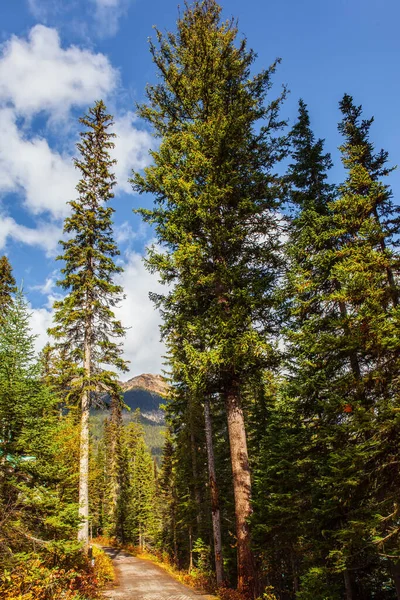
(7, 285)
(113, 466)
(85, 322)
(37, 467)
(138, 503)
(168, 499)
(342, 301)
(216, 196)
(19, 374)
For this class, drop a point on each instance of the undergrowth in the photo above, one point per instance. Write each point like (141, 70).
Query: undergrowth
(37, 577)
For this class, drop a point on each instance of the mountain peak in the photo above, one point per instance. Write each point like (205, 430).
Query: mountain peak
(152, 383)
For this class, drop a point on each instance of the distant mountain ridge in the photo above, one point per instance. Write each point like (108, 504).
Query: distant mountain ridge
(152, 383)
(146, 392)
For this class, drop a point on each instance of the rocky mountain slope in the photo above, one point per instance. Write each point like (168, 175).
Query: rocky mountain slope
(146, 392)
(152, 383)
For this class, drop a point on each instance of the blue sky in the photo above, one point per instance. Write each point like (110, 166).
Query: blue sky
(58, 56)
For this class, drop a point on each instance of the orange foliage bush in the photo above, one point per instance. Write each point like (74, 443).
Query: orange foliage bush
(32, 579)
(229, 594)
(103, 567)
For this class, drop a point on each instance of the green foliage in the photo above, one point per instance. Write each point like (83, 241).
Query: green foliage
(85, 315)
(202, 552)
(139, 509)
(34, 577)
(315, 585)
(320, 415)
(7, 284)
(21, 394)
(215, 214)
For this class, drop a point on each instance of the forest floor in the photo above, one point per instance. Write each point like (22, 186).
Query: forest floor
(139, 579)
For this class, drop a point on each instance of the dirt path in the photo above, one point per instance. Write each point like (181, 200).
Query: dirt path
(139, 579)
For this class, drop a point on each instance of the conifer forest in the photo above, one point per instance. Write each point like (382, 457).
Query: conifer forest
(280, 472)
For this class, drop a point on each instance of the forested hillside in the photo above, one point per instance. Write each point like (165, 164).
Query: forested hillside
(279, 477)
(143, 400)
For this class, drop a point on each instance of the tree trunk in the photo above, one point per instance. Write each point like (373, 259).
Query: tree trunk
(242, 489)
(215, 511)
(114, 461)
(348, 584)
(190, 549)
(395, 569)
(197, 495)
(174, 535)
(83, 530)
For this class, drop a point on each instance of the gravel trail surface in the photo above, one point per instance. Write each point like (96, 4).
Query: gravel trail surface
(139, 579)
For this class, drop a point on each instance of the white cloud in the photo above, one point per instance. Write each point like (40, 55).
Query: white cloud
(142, 343)
(43, 9)
(37, 74)
(48, 286)
(46, 178)
(132, 147)
(108, 15)
(41, 320)
(98, 18)
(45, 236)
(125, 233)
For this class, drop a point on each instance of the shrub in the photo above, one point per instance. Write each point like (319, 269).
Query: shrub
(33, 577)
(103, 567)
(316, 585)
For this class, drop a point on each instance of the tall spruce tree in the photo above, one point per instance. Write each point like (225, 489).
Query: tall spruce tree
(216, 195)
(86, 327)
(38, 499)
(286, 471)
(19, 374)
(7, 285)
(343, 279)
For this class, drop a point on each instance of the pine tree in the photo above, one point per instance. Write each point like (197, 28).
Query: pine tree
(215, 215)
(215, 503)
(168, 504)
(113, 464)
(343, 307)
(85, 322)
(366, 265)
(36, 468)
(19, 373)
(7, 285)
(138, 503)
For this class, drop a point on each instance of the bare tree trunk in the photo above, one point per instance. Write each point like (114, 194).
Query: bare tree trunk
(197, 496)
(216, 516)
(242, 489)
(348, 584)
(175, 536)
(83, 530)
(114, 466)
